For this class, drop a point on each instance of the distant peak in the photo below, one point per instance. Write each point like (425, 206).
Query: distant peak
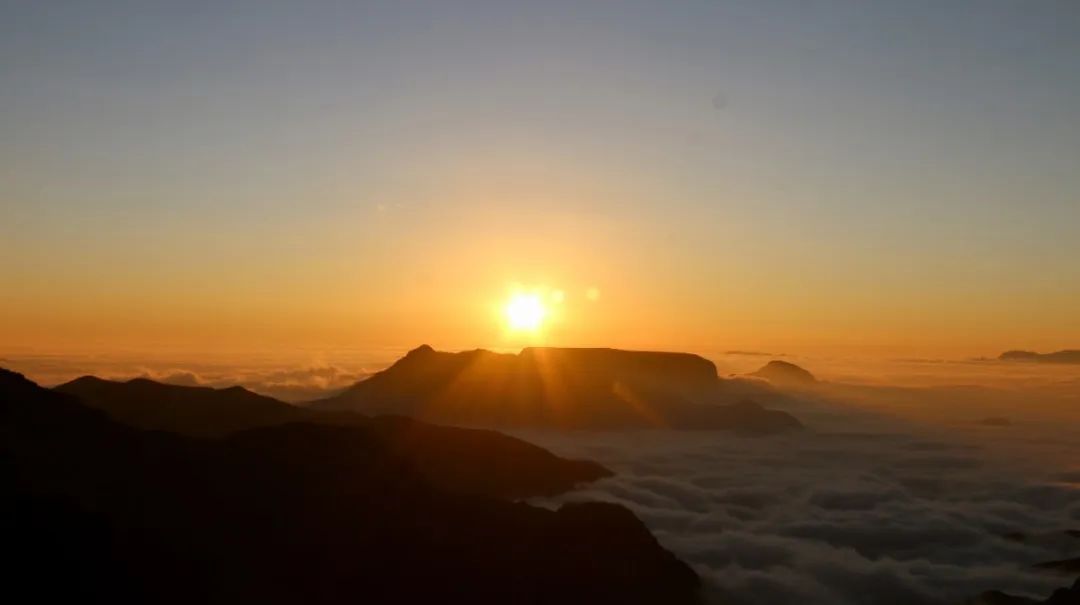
(420, 350)
(1067, 356)
(85, 383)
(784, 372)
(88, 379)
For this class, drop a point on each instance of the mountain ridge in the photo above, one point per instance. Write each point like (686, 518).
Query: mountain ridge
(563, 388)
(298, 512)
(477, 460)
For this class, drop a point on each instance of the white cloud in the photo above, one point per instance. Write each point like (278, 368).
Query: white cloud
(843, 517)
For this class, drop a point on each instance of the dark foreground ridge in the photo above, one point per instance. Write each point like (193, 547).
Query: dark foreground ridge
(478, 461)
(295, 513)
(560, 388)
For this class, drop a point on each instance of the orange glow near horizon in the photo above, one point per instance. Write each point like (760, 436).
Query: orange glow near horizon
(649, 197)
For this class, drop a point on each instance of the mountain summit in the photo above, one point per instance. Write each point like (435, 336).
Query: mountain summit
(559, 388)
(783, 373)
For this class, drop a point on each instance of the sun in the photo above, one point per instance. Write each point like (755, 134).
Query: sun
(525, 312)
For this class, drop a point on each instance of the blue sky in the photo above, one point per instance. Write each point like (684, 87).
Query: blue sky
(910, 165)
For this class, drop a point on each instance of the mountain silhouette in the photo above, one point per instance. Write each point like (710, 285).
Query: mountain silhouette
(783, 373)
(559, 388)
(1067, 356)
(474, 460)
(199, 411)
(98, 511)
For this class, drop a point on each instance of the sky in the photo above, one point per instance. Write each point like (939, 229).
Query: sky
(875, 178)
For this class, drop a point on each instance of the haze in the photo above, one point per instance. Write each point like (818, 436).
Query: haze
(839, 177)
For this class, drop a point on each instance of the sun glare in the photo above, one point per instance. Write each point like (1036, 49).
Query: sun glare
(525, 312)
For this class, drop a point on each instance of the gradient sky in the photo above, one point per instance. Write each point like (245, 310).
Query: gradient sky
(803, 176)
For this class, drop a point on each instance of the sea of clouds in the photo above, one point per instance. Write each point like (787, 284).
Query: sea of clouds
(858, 509)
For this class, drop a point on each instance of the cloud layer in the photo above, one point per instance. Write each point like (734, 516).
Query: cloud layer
(285, 380)
(845, 517)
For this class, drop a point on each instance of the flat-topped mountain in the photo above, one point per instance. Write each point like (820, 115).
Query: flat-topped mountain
(96, 511)
(1069, 356)
(784, 373)
(473, 460)
(558, 388)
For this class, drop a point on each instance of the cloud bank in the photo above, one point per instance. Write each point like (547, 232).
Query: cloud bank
(283, 380)
(844, 518)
